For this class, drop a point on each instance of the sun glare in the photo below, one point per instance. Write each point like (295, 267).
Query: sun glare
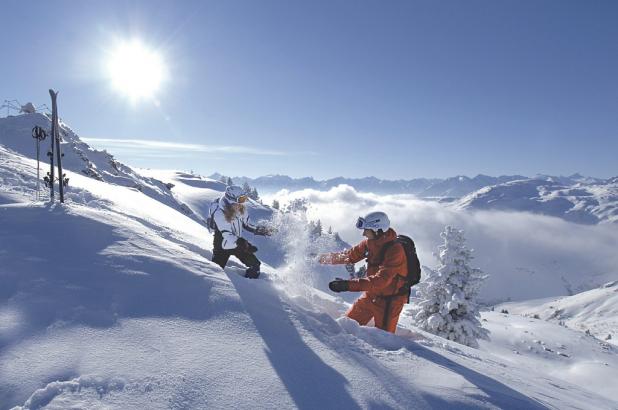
(135, 70)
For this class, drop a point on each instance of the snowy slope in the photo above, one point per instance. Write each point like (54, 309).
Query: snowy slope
(595, 311)
(122, 309)
(581, 203)
(196, 193)
(16, 135)
(558, 352)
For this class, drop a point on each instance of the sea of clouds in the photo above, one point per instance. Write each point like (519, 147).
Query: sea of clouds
(526, 255)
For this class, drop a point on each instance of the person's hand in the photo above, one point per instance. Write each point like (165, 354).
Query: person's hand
(265, 231)
(339, 285)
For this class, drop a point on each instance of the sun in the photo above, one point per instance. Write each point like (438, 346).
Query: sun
(135, 70)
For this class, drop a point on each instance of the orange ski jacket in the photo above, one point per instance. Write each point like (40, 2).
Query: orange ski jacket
(383, 279)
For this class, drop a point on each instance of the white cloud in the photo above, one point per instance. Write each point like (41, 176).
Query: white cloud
(527, 255)
(164, 147)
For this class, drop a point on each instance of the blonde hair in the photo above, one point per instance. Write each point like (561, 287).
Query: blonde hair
(231, 210)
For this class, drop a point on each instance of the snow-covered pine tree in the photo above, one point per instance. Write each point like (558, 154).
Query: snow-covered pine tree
(311, 227)
(275, 204)
(318, 228)
(448, 304)
(297, 205)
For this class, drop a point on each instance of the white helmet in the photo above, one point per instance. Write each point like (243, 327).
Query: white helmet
(374, 221)
(234, 194)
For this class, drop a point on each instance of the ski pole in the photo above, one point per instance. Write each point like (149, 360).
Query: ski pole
(39, 134)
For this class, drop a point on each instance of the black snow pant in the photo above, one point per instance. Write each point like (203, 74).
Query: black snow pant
(220, 256)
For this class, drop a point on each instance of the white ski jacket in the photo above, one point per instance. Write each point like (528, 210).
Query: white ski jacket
(232, 230)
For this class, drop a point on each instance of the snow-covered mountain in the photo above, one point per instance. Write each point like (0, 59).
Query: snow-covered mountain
(589, 203)
(110, 301)
(188, 193)
(575, 198)
(594, 311)
(16, 135)
(454, 187)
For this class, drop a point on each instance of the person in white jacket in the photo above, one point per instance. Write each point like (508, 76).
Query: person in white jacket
(229, 219)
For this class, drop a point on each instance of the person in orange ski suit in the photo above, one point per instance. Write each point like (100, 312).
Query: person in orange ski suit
(383, 299)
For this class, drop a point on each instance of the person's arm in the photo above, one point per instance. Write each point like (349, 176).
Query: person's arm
(352, 255)
(394, 263)
(248, 225)
(256, 229)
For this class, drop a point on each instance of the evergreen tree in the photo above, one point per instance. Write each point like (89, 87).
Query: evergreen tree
(318, 228)
(330, 230)
(448, 296)
(253, 194)
(297, 205)
(246, 187)
(229, 181)
(311, 227)
(276, 204)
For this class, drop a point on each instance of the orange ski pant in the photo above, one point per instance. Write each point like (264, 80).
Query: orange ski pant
(367, 308)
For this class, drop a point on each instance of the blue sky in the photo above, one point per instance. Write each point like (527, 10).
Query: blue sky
(333, 88)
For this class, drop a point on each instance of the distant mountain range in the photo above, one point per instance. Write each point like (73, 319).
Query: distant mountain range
(580, 202)
(453, 187)
(423, 187)
(575, 198)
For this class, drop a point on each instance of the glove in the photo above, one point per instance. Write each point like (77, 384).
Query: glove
(264, 231)
(339, 285)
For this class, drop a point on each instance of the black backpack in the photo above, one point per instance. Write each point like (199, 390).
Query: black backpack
(414, 265)
(210, 220)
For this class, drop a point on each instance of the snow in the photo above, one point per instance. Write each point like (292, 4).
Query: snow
(575, 198)
(557, 351)
(526, 255)
(110, 301)
(446, 302)
(591, 202)
(595, 311)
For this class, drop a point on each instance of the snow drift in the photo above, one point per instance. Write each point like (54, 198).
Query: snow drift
(110, 301)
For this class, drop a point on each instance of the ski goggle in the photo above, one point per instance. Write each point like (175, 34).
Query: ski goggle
(236, 199)
(360, 223)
